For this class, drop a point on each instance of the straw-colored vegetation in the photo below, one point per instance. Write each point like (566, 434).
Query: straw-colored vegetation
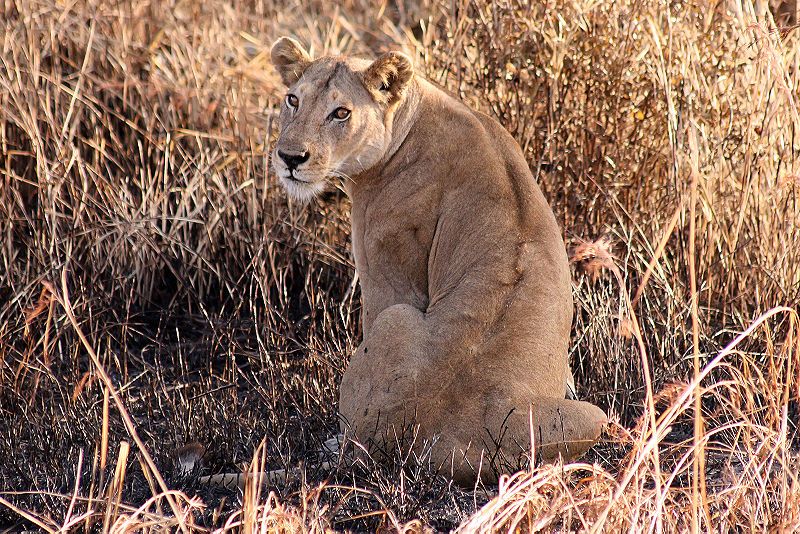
(156, 289)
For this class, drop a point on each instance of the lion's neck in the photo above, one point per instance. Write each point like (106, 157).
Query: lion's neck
(403, 118)
(401, 123)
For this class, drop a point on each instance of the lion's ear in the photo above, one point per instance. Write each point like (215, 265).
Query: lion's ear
(388, 76)
(290, 59)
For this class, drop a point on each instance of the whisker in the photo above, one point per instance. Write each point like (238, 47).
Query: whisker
(340, 174)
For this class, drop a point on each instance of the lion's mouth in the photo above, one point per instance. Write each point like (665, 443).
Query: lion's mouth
(294, 178)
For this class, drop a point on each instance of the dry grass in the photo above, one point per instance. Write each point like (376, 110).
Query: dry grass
(156, 289)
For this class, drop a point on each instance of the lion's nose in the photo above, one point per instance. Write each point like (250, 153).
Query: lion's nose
(293, 160)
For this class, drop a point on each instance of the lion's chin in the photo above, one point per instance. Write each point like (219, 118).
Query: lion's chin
(302, 190)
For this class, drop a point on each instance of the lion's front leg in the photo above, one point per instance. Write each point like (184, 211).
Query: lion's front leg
(381, 384)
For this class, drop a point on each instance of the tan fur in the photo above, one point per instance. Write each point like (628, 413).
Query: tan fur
(465, 283)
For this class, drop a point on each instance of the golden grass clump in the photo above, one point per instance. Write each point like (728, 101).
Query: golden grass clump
(157, 289)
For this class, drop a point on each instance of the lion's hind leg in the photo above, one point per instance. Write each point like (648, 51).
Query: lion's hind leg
(564, 427)
(559, 427)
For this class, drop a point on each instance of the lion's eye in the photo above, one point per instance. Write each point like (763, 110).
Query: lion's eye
(340, 114)
(292, 101)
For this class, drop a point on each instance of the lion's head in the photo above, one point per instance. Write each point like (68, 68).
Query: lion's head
(335, 119)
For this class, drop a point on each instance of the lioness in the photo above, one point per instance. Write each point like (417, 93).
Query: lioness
(465, 283)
